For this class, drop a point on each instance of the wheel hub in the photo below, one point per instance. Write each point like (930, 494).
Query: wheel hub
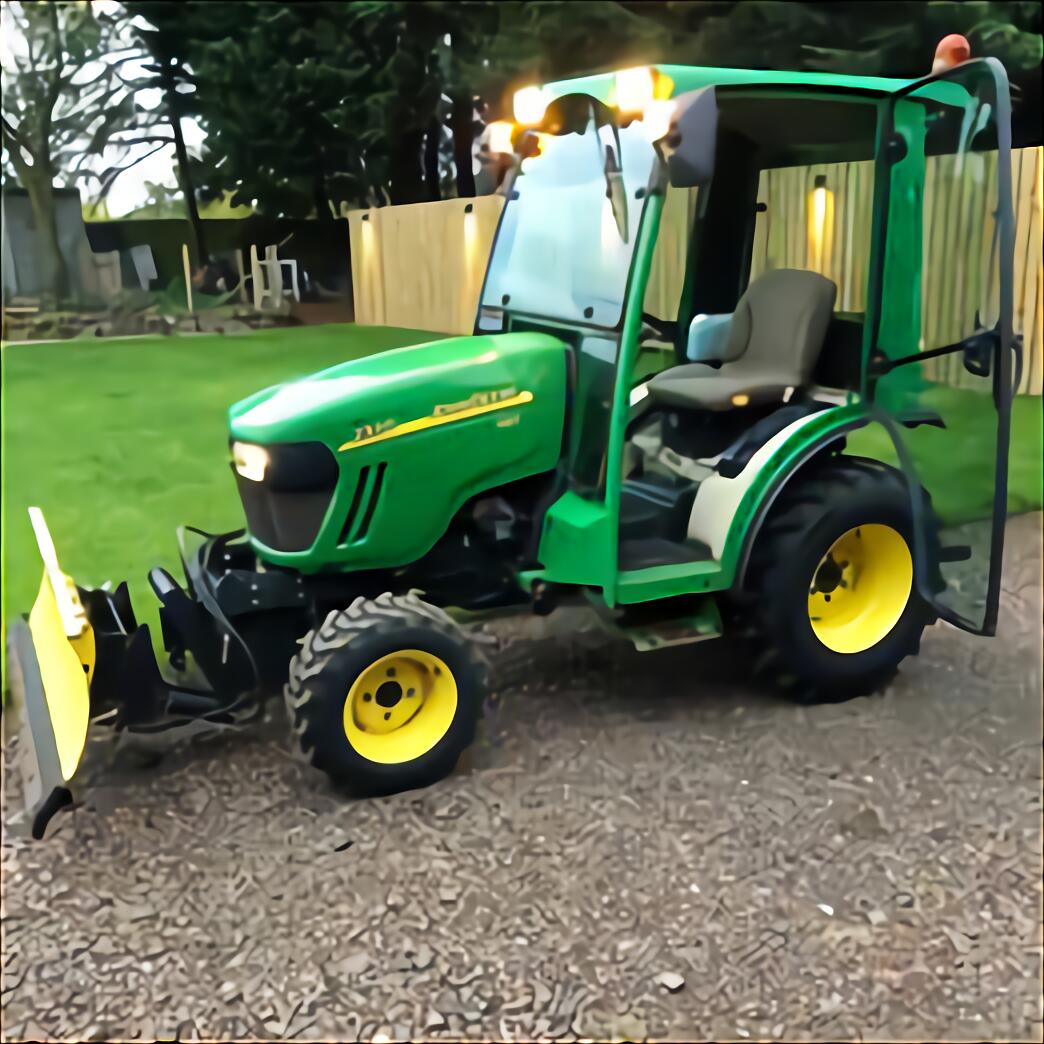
(829, 576)
(400, 706)
(389, 693)
(860, 588)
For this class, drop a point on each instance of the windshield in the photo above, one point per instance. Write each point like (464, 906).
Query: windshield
(560, 252)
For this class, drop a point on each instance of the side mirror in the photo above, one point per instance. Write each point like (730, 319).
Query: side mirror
(689, 146)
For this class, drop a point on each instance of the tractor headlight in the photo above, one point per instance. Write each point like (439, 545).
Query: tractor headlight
(529, 105)
(250, 461)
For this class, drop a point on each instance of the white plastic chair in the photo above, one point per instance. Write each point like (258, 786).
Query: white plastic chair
(266, 276)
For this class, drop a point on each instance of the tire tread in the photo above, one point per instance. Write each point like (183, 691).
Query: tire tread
(385, 613)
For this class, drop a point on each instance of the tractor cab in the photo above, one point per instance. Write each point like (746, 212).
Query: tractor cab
(743, 266)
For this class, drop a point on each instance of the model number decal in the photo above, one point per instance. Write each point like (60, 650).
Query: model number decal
(475, 405)
(368, 431)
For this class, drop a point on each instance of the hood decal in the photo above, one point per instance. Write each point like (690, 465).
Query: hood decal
(474, 406)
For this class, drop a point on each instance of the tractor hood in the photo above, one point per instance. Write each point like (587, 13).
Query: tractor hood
(367, 397)
(367, 462)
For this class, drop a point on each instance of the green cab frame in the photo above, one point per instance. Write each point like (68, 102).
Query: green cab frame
(579, 538)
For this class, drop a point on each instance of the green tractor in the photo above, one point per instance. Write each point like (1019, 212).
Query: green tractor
(765, 459)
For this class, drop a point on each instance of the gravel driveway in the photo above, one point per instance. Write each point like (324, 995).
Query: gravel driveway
(644, 845)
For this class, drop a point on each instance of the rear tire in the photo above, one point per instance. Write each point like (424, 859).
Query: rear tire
(385, 695)
(834, 633)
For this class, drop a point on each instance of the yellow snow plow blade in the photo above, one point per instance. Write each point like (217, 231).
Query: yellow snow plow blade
(66, 664)
(52, 665)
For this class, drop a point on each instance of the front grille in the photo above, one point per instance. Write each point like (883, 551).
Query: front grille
(280, 519)
(286, 509)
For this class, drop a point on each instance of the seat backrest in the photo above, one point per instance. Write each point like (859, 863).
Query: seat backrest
(781, 321)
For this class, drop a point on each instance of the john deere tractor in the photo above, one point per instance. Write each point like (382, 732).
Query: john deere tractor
(769, 457)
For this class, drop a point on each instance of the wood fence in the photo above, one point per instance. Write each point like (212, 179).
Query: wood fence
(959, 228)
(422, 265)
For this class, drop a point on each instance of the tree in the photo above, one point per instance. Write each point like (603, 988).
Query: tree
(312, 104)
(899, 39)
(287, 101)
(62, 102)
(878, 38)
(537, 42)
(556, 39)
(466, 70)
(171, 33)
(406, 46)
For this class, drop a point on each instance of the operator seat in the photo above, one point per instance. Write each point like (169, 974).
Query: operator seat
(774, 339)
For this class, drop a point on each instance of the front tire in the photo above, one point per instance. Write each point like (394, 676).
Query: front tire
(833, 580)
(385, 695)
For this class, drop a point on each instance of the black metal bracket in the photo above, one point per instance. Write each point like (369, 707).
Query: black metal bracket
(979, 349)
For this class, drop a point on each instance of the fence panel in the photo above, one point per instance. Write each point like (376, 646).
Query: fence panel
(959, 223)
(422, 265)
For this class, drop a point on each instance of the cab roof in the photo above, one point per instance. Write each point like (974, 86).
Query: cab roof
(692, 77)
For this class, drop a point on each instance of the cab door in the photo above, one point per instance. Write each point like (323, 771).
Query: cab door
(939, 359)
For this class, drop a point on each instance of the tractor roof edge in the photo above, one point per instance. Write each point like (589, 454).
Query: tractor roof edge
(692, 77)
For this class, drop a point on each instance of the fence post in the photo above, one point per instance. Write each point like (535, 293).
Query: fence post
(188, 275)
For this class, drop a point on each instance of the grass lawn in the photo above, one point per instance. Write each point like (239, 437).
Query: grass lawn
(956, 464)
(120, 441)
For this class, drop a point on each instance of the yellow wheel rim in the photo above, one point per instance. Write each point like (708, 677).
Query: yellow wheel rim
(400, 707)
(860, 588)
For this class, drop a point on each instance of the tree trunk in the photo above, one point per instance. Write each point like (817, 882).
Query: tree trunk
(188, 189)
(41, 199)
(407, 183)
(462, 125)
(431, 159)
(321, 198)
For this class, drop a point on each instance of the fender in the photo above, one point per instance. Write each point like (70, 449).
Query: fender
(763, 479)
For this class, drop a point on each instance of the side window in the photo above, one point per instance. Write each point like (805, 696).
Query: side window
(666, 278)
(960, 284)
(670, 255)
(817, 218)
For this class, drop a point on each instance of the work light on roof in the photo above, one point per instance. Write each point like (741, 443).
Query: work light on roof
(529, 105)
(634, 89)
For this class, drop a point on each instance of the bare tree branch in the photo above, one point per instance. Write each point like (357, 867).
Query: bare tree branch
(143, 140)
(109, 69)
(109, 176)
(17, 139)
(94, 101)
